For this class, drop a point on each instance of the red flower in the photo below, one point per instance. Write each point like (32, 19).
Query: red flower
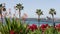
(11, 31)
(58, 27)
(33, 27)
(44, 26)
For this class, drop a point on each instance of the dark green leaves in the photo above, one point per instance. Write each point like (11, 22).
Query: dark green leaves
(19, 6)
(39, 12)
(0, 5)
(52, 11)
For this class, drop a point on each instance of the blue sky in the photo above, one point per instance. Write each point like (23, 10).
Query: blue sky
(30, 7)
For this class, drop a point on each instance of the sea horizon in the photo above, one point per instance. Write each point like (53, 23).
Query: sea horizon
(31, 21)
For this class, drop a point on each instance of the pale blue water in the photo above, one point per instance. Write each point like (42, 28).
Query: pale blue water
(33, 21)
(50, 22)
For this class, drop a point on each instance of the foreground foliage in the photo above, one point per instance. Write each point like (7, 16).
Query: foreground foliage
(15, 26)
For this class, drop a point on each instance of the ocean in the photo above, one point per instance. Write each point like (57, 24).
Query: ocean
(42, 21)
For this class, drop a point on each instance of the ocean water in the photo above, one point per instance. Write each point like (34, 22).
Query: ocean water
(50, 22)
(34, 21)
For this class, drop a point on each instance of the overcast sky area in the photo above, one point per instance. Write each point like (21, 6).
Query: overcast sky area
(30, 7)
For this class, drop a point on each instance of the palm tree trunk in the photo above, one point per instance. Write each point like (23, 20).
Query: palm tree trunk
(53, 20)
(19, 14)
(1, 18)
(53, 24)
(38, 20)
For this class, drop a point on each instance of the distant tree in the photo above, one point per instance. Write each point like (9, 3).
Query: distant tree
(52, 12)
(19, 7)
(2, 8)
(39, 13)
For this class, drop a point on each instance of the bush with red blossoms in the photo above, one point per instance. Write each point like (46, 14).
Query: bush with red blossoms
(33, 27)
(58, 27)
(44, 26)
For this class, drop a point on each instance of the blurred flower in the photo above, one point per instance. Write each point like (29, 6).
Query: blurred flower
(33, 27)
(44, 26)
(11, 31)
(58, 27)
(24, 16)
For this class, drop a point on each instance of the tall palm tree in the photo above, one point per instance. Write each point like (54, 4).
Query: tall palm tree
(39, 13)
(52, 12)
(19, 7)
(2, 8)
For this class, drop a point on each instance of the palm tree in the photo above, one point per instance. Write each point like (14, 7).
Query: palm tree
(39, 13)
(19, 7)
(2, 8)
(52, 12)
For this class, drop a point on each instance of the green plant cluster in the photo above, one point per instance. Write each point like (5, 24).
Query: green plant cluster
(17, 27)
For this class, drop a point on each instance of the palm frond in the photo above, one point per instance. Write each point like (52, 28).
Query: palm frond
(19, 6)
(52, 11)
(0, 5)
(39, 12)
